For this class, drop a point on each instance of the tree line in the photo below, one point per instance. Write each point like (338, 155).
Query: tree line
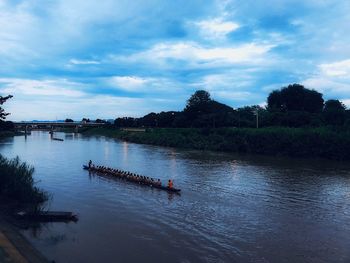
(291, 106)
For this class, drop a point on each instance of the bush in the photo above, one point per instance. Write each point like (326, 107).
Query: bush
(17, 183)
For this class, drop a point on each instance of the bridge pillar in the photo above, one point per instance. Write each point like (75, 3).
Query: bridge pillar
(26, 129)
(76, 129)
(51, 130)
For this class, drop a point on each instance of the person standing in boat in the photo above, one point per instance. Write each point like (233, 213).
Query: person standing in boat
(90, 163)
(170, 184)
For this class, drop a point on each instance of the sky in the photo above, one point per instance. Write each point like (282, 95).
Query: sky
(111, 58)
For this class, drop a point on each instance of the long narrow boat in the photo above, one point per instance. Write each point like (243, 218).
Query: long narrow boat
(58, 139)
(165, 188)
(48, 216)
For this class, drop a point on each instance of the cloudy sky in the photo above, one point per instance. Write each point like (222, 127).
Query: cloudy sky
(109, 58)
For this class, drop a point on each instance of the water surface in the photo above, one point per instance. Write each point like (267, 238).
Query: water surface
(232, 208)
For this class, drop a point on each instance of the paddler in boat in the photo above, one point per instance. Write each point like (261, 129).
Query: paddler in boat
(170, 184)
(159, 183)
(90, 163)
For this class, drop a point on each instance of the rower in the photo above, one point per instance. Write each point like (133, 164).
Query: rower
(90, 163)
(170, 184)
(159, 183)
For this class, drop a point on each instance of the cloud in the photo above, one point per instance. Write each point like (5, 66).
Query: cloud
(195, 55)
(336, 69)
(332, 79)
(328, 86)
(25, 87)
(148, 86)
(216, 28)
(93, 107)
(346, 102)
(69, 51)
(83, 62)
(129, 83)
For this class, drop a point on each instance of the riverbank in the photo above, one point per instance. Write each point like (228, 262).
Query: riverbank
(14, 247)
(17, 191)
(5, 134)
(328, 143)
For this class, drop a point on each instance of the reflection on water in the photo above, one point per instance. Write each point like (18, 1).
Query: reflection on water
(232, 208)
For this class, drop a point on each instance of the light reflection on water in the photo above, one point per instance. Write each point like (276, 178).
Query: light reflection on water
(232, 209)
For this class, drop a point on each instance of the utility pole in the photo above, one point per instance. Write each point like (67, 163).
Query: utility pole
(256, 113)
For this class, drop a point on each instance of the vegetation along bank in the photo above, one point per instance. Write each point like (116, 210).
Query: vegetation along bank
(295, 122)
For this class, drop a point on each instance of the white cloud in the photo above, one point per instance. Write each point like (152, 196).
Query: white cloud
(24, 87)
(346, 102)
(232, 87)
(149, 85)
(129, 83)
(216, 28)
(18, 28)
(336, 69)
(83, 62)
(332, 79)
(195, 55)
(328, 86)
(93, 107)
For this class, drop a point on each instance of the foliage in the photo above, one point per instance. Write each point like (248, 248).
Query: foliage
(334, 112)
(295, 98)
(198, 101)
(68, 120)
(296, 142)
(292, 106)
(16, 181)
(3, 114)
(100, 121)
(85, 120)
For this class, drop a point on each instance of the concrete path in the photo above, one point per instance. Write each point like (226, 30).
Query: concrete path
(8, 253)
(14, 248)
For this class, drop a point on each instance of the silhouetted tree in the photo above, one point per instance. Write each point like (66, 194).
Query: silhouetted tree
(197, 104)
(334, 112)
(200, 97)
(3, 114)
(149, 120)
(126, 122)
(295, 98)
(166, 119)
(68, 120)
(100, 121)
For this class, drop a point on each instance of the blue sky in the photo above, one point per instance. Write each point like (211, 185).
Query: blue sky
(110, 58)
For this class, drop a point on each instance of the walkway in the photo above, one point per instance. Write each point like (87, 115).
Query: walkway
(14, 248)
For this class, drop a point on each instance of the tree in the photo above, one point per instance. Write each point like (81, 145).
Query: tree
(334, 112)
(295, 98)
(3, 114)
(198, 100)
(100, 121)
(197, 105)
(202, 111)
(68, 120)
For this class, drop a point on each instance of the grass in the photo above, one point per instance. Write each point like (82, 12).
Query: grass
(17, 183)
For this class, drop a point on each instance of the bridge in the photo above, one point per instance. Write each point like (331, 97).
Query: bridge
(30, 125)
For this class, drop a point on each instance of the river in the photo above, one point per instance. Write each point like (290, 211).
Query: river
(232, 208)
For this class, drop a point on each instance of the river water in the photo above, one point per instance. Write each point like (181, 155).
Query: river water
(232, 208)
